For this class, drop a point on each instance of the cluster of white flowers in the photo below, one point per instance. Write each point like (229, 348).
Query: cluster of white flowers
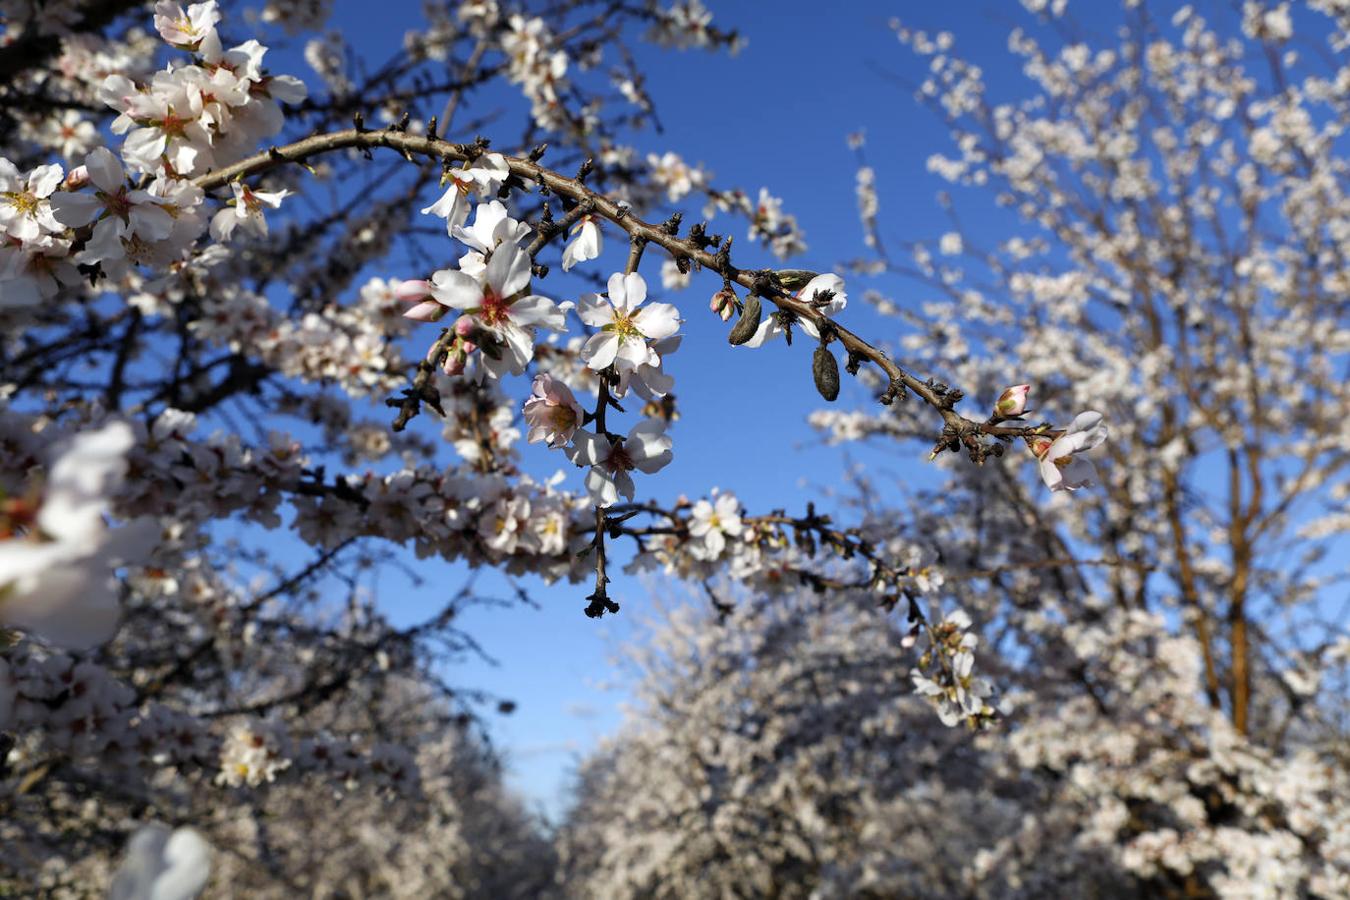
(774, 228)
(253, 752)
(687, 24)
(1167, 731)
(631, 342)
(945, 674)
(539, 66)
(670, 172)
(189, 118)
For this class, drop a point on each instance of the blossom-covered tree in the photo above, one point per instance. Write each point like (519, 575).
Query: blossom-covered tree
(228, 341)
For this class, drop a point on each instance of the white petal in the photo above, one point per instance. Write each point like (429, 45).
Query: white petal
(536, 310)
(75, 208)
(104, 170)
(603, 489)
(600, 350)
(45, 179)
(85, 471)
(660, 320)
(71, 605)
(588, 448)
(634, 290)
(594, 311)
(767, 331)
(508, 271)
(455, 289)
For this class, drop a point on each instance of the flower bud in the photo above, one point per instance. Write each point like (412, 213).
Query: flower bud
(724, 304)
(426, 311)
(1012, 402)
(454, 363)
(412, 291)
(77, 178)
(464, 326)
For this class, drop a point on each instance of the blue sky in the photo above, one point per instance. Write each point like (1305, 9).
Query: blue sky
(777, 116)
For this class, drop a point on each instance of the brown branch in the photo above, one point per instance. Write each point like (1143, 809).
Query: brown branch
(759, 281)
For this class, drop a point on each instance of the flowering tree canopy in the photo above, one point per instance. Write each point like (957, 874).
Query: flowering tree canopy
(263, 332)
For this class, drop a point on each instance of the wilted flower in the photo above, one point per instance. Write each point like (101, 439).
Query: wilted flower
(585, 243)
(823, 293)
(552, 412)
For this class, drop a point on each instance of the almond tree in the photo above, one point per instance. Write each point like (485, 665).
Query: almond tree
(1171, 645)
(223, 320)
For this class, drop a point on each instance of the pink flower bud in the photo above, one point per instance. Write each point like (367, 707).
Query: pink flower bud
(467, 347)
(464, 326)
(724, 303)
(426, 311)
(1013, 401)
(454, 364)
(413, 291)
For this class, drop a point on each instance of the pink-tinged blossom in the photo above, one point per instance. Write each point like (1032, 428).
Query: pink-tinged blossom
(185, 30)
(824, 293)
(552, 412)
(69, 134)
(647, 449)
(119, 211)
(1013, 401)
(625, 325)
(424, 306)
(25, 207)
(501, 307)
(163, 124)
(585, 243)
(245, 210)
(1061, 469)
(485, 175)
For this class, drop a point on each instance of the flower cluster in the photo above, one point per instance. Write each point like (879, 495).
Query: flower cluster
(498, 316)
(539, 66)
(187, 119)
(945, 676)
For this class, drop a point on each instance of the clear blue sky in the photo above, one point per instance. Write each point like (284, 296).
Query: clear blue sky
(810, 75)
